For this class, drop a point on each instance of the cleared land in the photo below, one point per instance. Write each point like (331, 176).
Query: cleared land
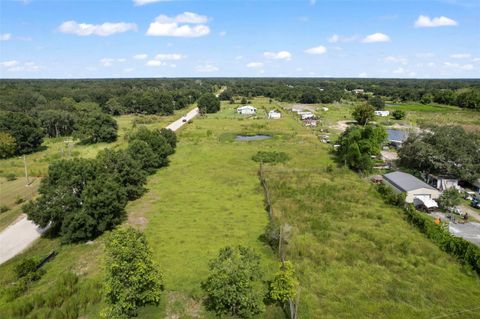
(354, 255)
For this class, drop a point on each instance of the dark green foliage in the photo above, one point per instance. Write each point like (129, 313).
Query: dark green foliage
(427, 98)
(132, 278)
(78, 200)
(170, 136)
(272, 234)
(7, 145)
(96, 127)
(243, 100)
(363, 113)
(113, 107)
(4, 208)
(126, 171)
(208, 103)
(24, 129)
(233, 286)
(391, 197)
(444, 150)
(377, 103)
(398, 114)
(57, 122)
(157, 141)
(141, 152)
(10, 177)
(359, 144)
(25, 267)
(270, 157)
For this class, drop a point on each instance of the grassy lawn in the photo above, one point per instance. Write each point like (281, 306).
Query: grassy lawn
(354, 255)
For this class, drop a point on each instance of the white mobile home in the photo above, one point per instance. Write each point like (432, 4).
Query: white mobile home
(247, 110)
(382, 113)
(274, 114)
(410, 185)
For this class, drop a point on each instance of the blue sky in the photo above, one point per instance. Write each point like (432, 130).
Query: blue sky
(197, 38)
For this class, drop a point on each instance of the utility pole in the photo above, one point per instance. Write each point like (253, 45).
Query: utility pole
(26, 171)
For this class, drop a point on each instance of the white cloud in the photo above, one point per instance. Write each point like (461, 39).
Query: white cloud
(180, 26)
(426, 22)
(206, 68)
(335, 38)
(255, 65)
(464, 67)
(376, 37)
(5, 36)
(425, 55)
(461, 55)
(107, 62)
(169, 57)
(105, 29)
(155, 63)
(9, 64)
(396, 59)
(15, 66)
(121, 60)
(317, 50)
(280, 55)
(144, 2)
(140, 56)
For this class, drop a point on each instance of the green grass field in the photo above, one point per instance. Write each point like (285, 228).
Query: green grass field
(355, 256)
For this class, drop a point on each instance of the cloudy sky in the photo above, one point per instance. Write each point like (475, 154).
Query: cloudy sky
(196, 38)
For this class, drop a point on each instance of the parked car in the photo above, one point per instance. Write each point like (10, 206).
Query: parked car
(475, 203)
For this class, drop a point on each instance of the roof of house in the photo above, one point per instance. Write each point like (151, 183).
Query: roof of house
(405, 182)
(274, 111)
(425, 200)
(246, 107)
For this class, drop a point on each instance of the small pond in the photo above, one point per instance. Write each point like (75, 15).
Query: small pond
(397, 135)
(252, 137)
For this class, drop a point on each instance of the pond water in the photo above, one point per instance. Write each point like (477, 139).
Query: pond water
(397, 135)
(252, 137)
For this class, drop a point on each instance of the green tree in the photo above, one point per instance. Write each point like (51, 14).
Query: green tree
(96, 127)
(377, 102)
(170, 136)
(208, 103)
(243, 101)
(7, 145)
(284, 285)
(363, 113)
(125, 170)
(445, 150)
(57, 122)
(427, 98)
(113, 107)
(359, 144)
(450, 198)
(159, 141)
(24, 129)
(233, 286)
(398, 114)
(141, 152)
(132, 278)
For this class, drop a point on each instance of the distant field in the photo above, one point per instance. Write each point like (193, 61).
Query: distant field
(417, 107)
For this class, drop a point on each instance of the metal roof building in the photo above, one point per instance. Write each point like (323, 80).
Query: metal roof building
(413, 187)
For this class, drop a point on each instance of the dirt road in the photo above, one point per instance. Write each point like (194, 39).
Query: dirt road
(22, 233)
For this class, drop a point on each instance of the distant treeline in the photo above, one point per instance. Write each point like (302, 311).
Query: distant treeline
(462, 93)
(33, 109)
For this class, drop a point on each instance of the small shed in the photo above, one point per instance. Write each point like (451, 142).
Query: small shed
(402, 182)
(382, 113)
(247, 110)
(274, 114)
(425, 203)
(442, 182)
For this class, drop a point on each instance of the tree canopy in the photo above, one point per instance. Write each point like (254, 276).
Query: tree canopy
(133, 280)
(233, 285)
(24, 129)
(363, 113)
(208, 103)
(443, 150)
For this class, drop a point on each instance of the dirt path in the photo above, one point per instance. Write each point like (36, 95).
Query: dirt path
(17, 237)
(22, 233)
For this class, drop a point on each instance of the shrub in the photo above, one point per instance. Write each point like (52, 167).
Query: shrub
(398, 114)
(25, 267)
(270, 157)
(4, 208)
(19, 200)
(10, 177)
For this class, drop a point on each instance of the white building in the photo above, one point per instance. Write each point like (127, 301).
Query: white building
(307, 115)
(325, 109)
(247, 110)
(274, 114)
(382, 113)
(410, 185)
(358, 91)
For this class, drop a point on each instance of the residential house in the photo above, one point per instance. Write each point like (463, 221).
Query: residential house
(274, 114)
(402, 182)
(247, 110)
(382, 113)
